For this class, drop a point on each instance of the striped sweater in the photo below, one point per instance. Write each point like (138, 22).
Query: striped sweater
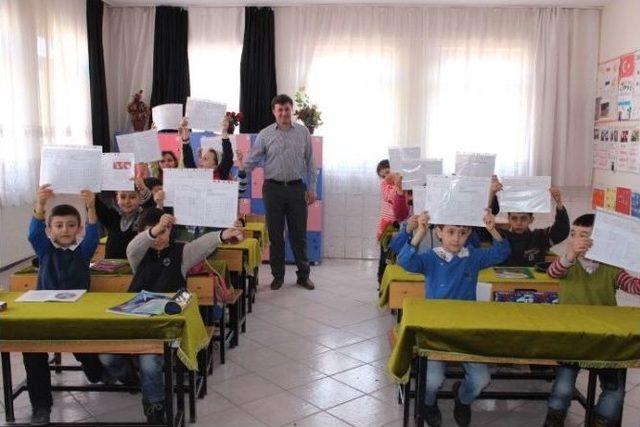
(387, 192)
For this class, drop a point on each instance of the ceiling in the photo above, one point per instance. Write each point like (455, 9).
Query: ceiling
(503, 3)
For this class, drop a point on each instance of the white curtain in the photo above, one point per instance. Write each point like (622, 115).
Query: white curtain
(215, 48)
(127, 34)
(44, 88)
(513, 81)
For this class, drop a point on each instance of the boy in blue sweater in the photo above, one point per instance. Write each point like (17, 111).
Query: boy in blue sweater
(451, 272)
(63, 264)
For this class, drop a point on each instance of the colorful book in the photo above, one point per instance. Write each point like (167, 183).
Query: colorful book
(109, 265)
(635, 205)
(597, 200)
(152, 304)
(623, 201)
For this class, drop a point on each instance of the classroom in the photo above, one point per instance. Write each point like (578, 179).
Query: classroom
(313, 213)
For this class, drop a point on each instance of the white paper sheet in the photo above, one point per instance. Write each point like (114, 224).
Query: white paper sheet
(457, 200)
(475, 164)
(144, 145)
(525, 194)
(174, 178)
(215, 142)
(68, 295)
(204, 114)
(419, 197)
(167, 116)
(206, 204)
(413, 169)
(616, 240)
(118, 171)
(71, 169)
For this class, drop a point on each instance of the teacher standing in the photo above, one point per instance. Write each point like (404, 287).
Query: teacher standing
(285, 148)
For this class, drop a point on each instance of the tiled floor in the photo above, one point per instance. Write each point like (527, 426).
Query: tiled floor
(312, 358)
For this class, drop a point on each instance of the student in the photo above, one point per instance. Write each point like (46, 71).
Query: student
(160, 264)
(451, 272)
(169, 160)
(121, 221)
(154, 185)
(529, 247)
(587, 282)
(63, 264)
(387, 191)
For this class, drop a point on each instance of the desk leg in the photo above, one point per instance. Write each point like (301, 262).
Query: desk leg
(168, 384)
(180, 393)
(7, 384)
(591, 398)
(624, 386)
(421, 385)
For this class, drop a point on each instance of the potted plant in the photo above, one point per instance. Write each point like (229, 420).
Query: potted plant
(234, 120)
(307, 113)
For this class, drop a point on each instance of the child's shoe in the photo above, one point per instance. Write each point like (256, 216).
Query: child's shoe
(155, 412)
(555, 418)
(461, 412)
(432, 415)
(41, 416)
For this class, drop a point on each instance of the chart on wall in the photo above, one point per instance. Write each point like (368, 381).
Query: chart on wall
(616, 134)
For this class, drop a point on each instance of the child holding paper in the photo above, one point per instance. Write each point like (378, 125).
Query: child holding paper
(587, 282)
(160, 264)
(63, 264)
(451, 272)
(529, 247)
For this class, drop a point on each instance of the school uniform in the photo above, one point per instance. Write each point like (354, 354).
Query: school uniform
(120, 229)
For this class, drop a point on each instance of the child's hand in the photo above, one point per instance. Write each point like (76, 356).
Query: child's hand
(225, 127)
(496, 185)
(183, 130)
(44, 193)
(232, 235)
(158, 198)
(578, 247)
(165, 223)
(423, 221)
(139, 183)
(557, 196)
(89, 198)
(489, 221)
(412, 223)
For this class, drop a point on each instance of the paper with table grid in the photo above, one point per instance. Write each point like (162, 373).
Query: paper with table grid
(616, 240)
(206, 203)
(71, 169)
(457, 200)
(172, 178)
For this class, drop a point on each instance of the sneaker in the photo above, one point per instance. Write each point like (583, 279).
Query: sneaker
(432, 415)
(154, 412)
(306, 283)
(41, 416)
(461, 412)
(555, 418)
(276, 284)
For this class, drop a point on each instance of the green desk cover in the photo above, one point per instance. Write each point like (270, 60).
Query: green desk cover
(261, 229)
(251, 253)
(395, 273)
(592, 336)
(88, 319)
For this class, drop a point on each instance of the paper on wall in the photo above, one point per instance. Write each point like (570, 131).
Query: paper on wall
(118, 171)
(144, 145)
(204, 114)
(475, 164)
(525, 194)
(71, 169)
(206, 203)
(616, 240)
(457, 200)
(167, 116)
(173, 178)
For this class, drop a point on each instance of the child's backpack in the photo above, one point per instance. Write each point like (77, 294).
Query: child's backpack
(220, 287)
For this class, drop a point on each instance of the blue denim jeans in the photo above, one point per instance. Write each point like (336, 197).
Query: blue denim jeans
(611, 398)
(476, 378)
(151, 373)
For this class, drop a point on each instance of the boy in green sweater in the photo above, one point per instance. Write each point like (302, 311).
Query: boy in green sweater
(587, 282)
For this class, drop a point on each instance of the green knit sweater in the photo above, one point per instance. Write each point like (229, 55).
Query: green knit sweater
(598, 288)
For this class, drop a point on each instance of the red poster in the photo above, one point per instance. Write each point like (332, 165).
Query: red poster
(627, 66)
(598, 198)
(623, 201)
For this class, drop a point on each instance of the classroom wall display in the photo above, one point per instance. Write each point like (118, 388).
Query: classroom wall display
(622, 200)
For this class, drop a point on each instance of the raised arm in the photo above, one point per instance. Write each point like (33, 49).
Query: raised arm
(561, 225)
(185, 136)
(107, 215)
(200, 248)
(628, 283)
(226, 162)
(37, 235)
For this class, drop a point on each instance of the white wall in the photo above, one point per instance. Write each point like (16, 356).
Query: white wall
(14, 222)
(619, 34)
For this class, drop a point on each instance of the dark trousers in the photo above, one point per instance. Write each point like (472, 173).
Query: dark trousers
(39, 377)
(382, 263)
(286, 202)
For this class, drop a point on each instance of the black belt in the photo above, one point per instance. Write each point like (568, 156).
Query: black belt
(285, 183)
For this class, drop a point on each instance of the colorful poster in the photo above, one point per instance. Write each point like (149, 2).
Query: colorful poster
(597, 200)
(623, 201)
(610, 199)
(635, 205)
